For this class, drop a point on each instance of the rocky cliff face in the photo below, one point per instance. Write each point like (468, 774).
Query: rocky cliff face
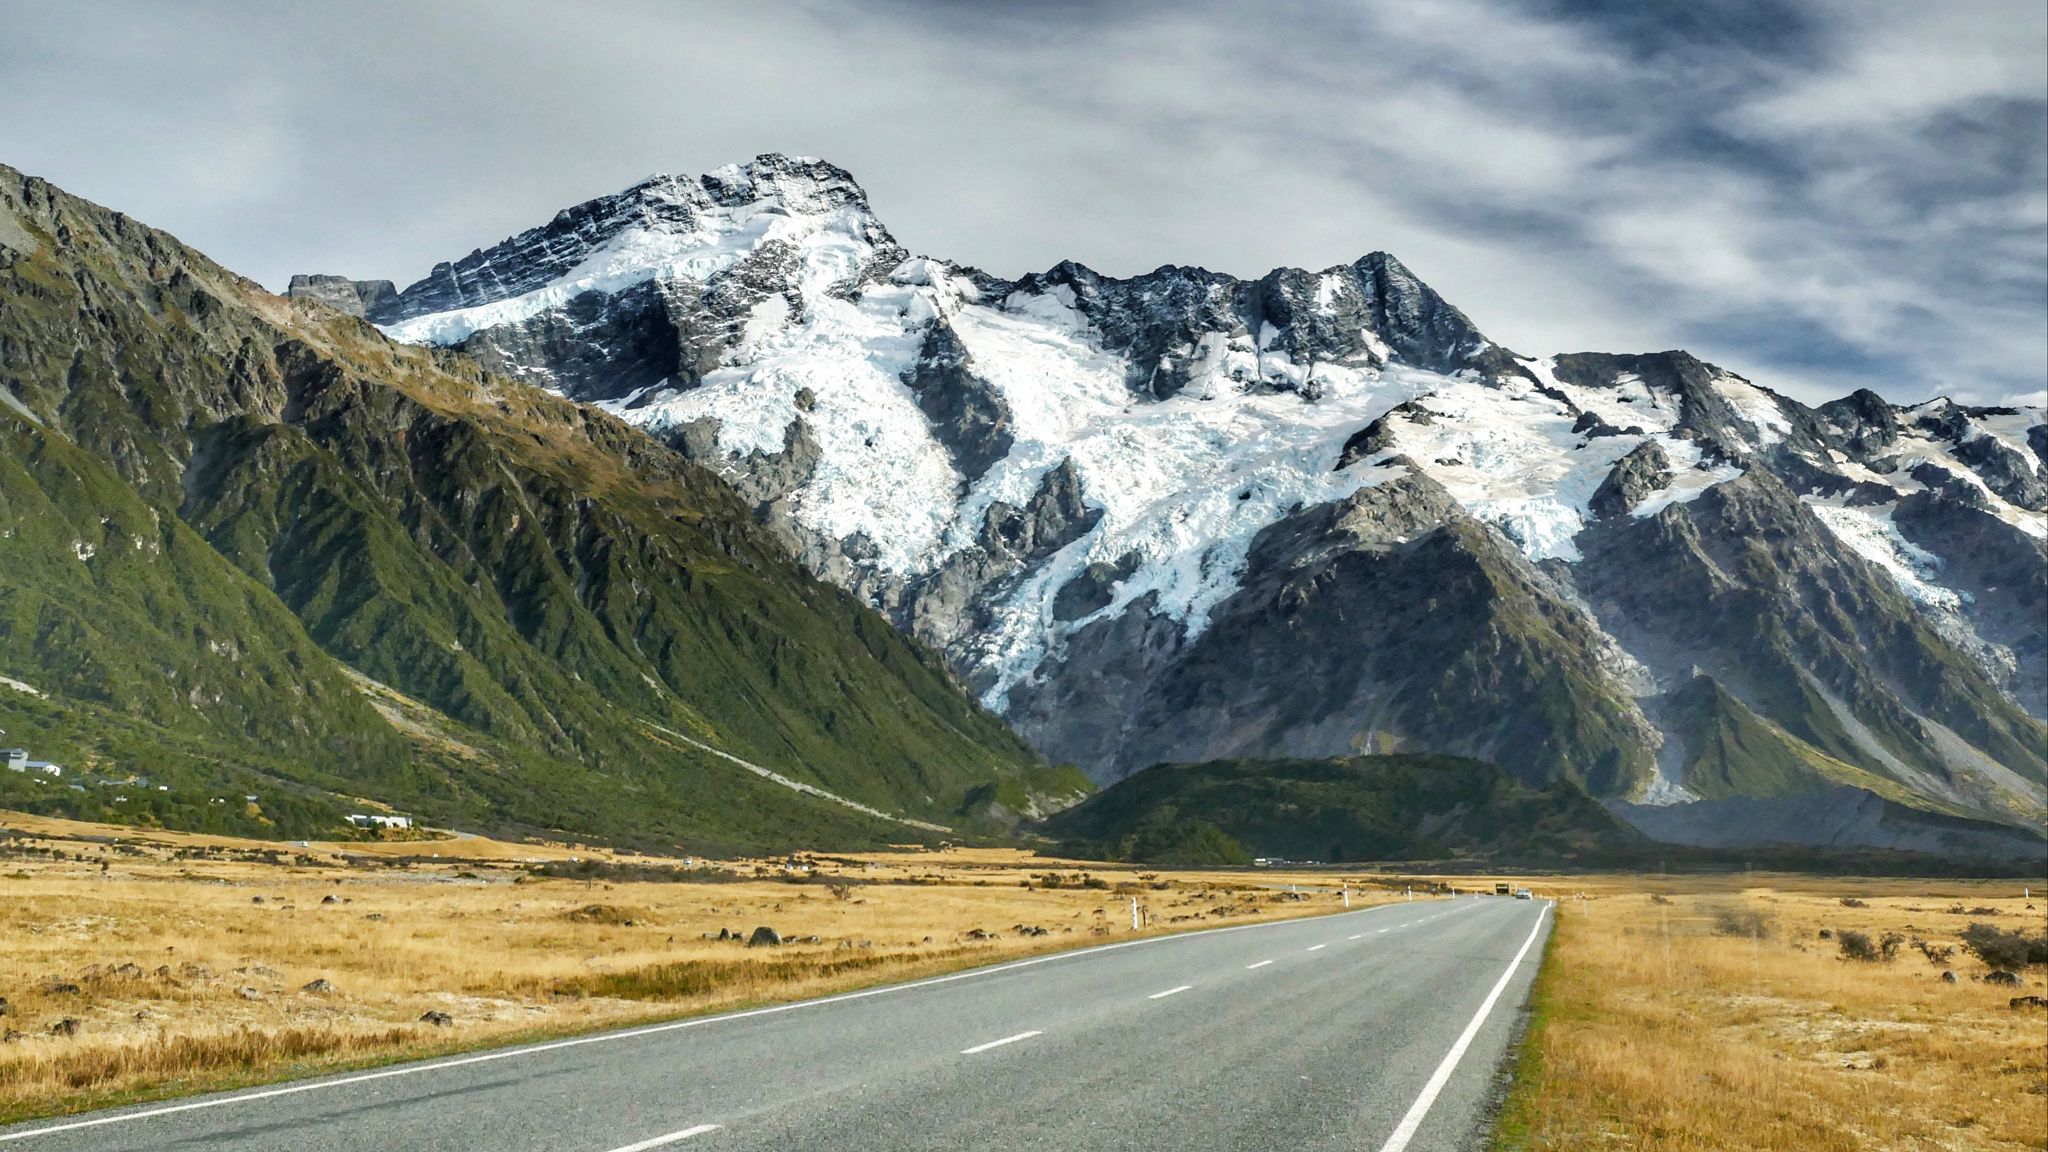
(1185, 516)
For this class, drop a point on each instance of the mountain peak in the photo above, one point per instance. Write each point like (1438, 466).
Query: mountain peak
(665, 226)
(806, 183)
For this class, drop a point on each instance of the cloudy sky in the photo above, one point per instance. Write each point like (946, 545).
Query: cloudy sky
(1818, 195)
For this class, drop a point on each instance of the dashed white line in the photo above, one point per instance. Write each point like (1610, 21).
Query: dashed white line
(999, 1043)
(1317, 947)
(1260, 964)
(1169, 992)
(1360, 936)
(671, 1138)
(629, 1033)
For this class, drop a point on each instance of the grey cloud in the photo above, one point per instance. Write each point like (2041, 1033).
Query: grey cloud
(1818, 195)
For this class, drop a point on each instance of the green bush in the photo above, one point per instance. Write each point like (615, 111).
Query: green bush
(2005, 949)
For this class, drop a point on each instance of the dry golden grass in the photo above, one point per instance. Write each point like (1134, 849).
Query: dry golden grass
(1672, 1026)
(184, 960)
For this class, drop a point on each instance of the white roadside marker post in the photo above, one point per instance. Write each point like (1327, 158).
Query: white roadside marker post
(1134, 913)
(1347, 895)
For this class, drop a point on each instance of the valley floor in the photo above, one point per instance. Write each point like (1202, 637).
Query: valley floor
(1680, 1014)
(1672, 1013)
(139, 964)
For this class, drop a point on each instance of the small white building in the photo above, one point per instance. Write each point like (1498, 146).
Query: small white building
(372, 820)
(45, 767)
(16, 759)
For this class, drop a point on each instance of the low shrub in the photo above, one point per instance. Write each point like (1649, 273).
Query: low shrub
(2003, 949)
(1856, 945)
(1937, 954)
(1741, 922)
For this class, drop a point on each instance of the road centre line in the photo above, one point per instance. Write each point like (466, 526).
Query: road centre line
(671, 1138)
(1169, 992)
(1317, 947)
(994, 1044)
(637, 1033)
(1260, 964)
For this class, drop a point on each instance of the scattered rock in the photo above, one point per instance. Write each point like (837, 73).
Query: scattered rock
(1948, 977)
(128, 970)
(320, 987)
(1029, 930)
(68, 1026)
(2001, 976)
(1826, 935)
(3, 1006)
(374, 916)
(2018, 1002)
(437, 1019)
(599, 914)
(59, 988)
(978, 934)
(9, 1036)
(724, 935)
(330, 899)
(255, 899)
(764, 936)
(248, 993)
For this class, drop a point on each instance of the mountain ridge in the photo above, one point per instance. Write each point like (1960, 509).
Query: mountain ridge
(1062, 482)
(541, 574)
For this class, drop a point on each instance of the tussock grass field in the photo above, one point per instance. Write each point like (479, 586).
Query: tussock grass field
(140, 964)
(1675, 1015)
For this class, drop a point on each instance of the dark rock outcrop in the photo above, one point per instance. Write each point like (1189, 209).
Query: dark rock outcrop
(358, 298)
(1646, 469)
(967, 414)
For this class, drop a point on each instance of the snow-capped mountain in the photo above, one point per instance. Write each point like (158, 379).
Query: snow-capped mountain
(1184, 516)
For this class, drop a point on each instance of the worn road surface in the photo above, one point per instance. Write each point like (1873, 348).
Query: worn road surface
(1379, 1029)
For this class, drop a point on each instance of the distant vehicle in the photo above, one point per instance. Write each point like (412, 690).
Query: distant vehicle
(1500, 889)
(1524, 894)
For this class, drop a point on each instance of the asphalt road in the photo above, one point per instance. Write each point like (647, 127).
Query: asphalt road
(1376, 1029)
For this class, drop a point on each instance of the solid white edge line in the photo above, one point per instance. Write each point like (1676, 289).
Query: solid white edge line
(1405, 1131)
(654, 1029)
(671, 1138)
(1169, 992)
(1000, 1043)
(1317, 947)
(1260, 964)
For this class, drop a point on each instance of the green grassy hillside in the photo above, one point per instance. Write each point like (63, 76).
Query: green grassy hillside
(214, 500)
(1338, 811)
